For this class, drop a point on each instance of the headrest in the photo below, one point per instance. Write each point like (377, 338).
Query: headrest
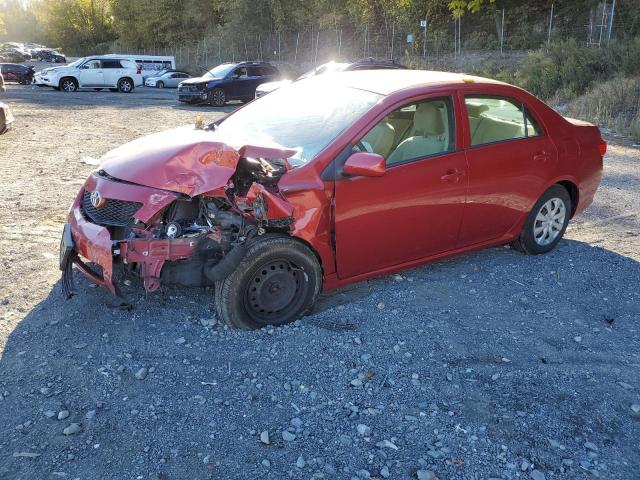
(428, 120)
(476, 110)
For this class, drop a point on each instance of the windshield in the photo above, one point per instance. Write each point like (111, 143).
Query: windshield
(305, 116)
(76, 63)
(325, 68)
(220, 71)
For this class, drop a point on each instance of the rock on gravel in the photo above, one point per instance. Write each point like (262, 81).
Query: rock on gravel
(72, 429)
(264, 437)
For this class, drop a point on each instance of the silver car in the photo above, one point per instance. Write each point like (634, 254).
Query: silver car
(169, 79)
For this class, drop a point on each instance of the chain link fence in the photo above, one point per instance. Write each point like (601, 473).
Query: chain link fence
(492, 35)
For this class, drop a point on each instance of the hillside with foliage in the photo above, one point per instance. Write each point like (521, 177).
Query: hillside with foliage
(76, 25)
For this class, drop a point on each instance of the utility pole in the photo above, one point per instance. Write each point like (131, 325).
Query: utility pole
(393, 33)
(502, 32)
(424, 42)
(613, 9)
(550, 26)
(604, 14)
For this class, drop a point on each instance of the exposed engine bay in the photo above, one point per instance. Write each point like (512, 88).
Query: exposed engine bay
(219, 227)
(180, 239)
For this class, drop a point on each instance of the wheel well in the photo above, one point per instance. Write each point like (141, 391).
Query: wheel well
(125, 78)
(66, 77)
(572, 188)
(313, 250)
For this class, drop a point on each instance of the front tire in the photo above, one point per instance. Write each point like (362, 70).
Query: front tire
(546, 222)
(160, 84)
(68, 84)
(217, 97)
(277, 282)
(125, 85)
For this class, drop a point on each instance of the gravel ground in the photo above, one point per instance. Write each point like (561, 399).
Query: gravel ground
(489, 365)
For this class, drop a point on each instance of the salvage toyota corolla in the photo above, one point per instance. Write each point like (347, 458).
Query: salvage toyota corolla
(329, 181)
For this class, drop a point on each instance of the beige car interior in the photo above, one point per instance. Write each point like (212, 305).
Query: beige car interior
(499, 120)
(420, 133)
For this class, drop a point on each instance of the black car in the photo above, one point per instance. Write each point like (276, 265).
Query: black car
(12, 72)
(51, 56)
(228, 81)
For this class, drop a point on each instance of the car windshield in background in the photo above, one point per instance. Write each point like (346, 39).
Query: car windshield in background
(299, 117)
(220, 71)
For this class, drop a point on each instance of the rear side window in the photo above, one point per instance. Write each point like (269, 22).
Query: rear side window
(255, 71)
(111, 64)
(496, 119)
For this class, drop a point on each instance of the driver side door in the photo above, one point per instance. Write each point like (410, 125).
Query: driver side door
(414, 210)
(91, 74)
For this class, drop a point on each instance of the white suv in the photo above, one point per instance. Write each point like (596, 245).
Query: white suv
(116, 74)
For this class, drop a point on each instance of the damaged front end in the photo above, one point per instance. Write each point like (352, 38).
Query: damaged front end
(182, 216)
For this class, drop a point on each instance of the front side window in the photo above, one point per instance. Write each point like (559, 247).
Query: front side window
(414, 131)
(496, 119)
(240, 72)
(92, 64)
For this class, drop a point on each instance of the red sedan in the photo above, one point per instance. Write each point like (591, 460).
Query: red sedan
(329, 181)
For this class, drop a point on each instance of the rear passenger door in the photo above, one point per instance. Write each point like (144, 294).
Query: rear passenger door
(112, 71)
(510, 159)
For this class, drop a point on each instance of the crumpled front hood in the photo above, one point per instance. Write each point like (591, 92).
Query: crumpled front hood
(196, 80)
(184, 160)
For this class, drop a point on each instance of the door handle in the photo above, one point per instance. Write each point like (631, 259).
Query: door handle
(451, 176)
(541, 157)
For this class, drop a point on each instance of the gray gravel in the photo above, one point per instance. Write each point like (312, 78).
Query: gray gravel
(468, 368)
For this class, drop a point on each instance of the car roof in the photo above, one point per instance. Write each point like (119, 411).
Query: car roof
(386, 82)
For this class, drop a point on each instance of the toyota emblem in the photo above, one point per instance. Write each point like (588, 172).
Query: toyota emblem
(96, 199)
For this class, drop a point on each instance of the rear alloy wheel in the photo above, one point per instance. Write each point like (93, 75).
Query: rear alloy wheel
(68, 85)
(217, 97)
(277, 282)
(160, 84)
(546, 222)
(125, 85)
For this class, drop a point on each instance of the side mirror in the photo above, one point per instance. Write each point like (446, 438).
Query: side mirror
(364, 164)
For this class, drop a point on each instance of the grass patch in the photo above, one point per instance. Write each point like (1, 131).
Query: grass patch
(614, 104)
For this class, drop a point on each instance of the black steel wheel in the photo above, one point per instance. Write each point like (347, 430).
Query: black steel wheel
(276, 282)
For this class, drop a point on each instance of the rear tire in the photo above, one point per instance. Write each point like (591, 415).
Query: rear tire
(546, 223)
(125, 85)
(68, 84)
(277, 282)
(217, 97)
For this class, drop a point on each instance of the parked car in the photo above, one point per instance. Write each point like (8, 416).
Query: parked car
(228, 81)
(6, 118)
(14, 55)
(98, 72)
(332, 67)
(331, 181)
(13, 72)
(50, 56)
(166, 78)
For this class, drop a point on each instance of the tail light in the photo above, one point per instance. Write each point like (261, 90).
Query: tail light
(139, 70)
(602, 147)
